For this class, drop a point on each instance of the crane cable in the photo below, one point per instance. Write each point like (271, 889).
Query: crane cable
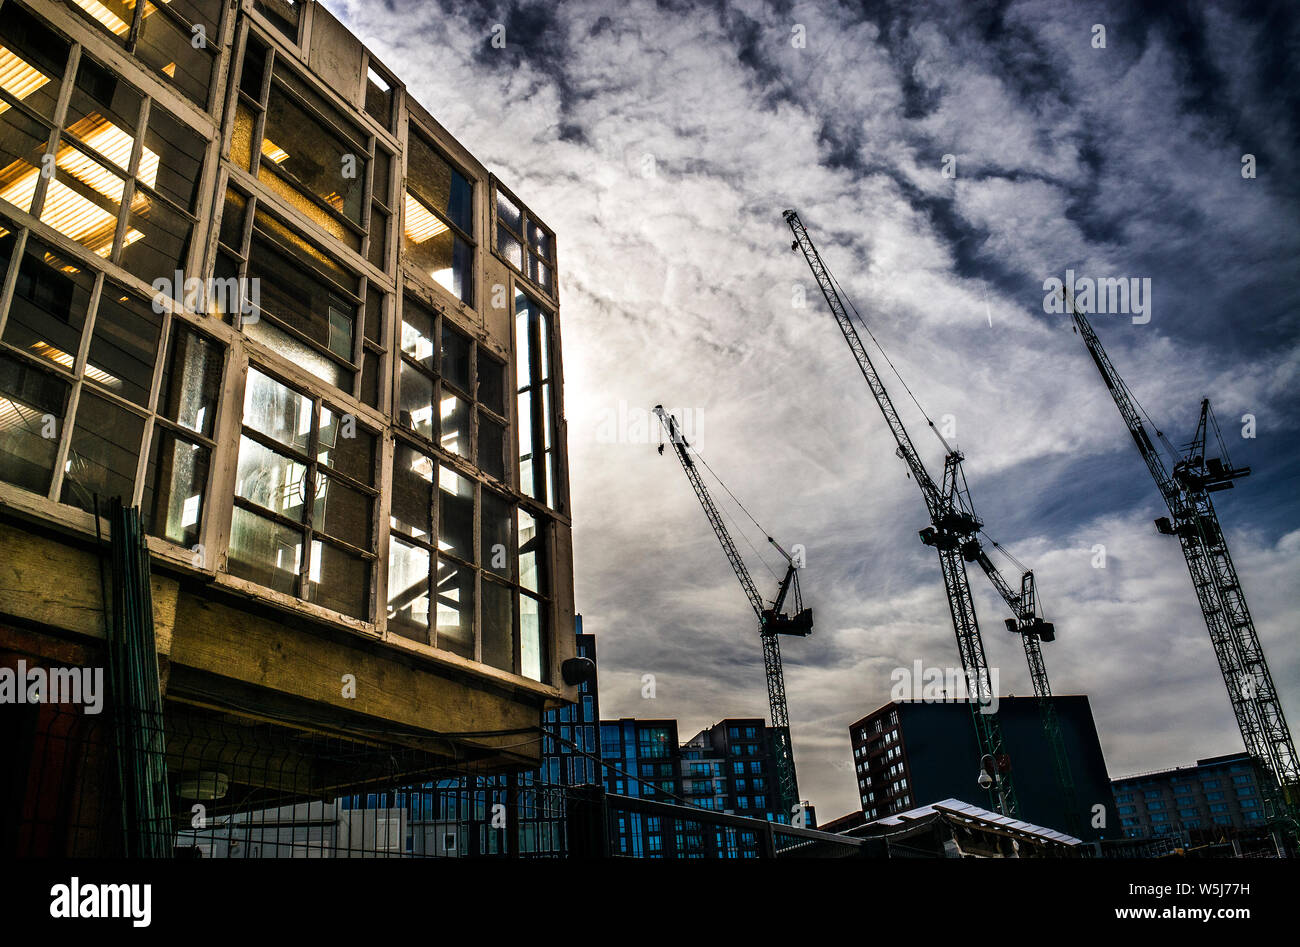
(743, 534)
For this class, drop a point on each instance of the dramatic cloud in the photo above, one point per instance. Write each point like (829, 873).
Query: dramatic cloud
(662, 141)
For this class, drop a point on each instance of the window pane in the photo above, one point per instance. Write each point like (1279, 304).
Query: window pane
(412, 493)
(342, 512)
(314, 158)
(49, 305)
(417, 332)
(370, 368)
(241, 136)
(491, 447)
(104, 113)
(346, 446)
(157, 238)
(454, 430)
(22, 143)
(191, 381)
(523, 340)
(283, 14)
(339, 580)
(167, 49)
(498, 626)
(437, 184)
(408, 590)
(175, 480)
(271, 480)
(379, 98)
(415, 410)
(264, 552)
(532, 555)
(291, 291)
(294, 350)
(455, 615)
(83, 199)
(491, 383)
(35, 56)
(495, 535)
(525, 422)
(455, 357)
(31, 422)
(437, 252)
(375, 316)
(124, 344)
(455, 514)
(378, 252)
(539, 241)
(102, 458)
(178, 158)
(277, 411)
(508, 213)
(509, 247)
(532, 638)
(232, 219)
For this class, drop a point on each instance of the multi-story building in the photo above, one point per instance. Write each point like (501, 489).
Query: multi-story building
(1216, 799)
(641, 759)
(912, 753)
(251, 287)
(741, 750)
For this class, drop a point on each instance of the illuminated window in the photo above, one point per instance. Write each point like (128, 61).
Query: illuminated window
(536, 402)
(297, 300)
(305, 150)
(448, 385)
(107, 395)
(486, 558)
(304, 498)
(96, 175)
(175, 38)
(438, 219)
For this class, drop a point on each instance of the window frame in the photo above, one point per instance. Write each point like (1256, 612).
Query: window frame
(415, 129)
(526, 217)
(78, 381)
(310, 531)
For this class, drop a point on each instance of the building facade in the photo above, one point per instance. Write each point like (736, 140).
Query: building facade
(909, 754)
(1216, 799)
(251, 287)
(740, 749)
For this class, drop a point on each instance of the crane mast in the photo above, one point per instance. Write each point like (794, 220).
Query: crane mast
(1192, 518)
(953, 530)
(772, 621)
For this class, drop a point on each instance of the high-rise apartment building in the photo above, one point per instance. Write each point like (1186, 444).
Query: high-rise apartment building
(251, 287)
(908, 754)
(1216, 799)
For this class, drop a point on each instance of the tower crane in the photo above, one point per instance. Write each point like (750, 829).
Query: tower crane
(1192, 518)
(953, 532)
(772, 619)
(1033, 630)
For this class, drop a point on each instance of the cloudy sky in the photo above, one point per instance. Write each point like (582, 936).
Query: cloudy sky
(661, 141)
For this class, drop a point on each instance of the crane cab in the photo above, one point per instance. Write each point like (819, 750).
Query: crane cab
(799, 625)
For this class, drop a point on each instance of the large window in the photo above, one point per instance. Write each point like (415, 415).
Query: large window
(538, 477)
(298, 300)
(439, 214)
(467, 569)
(94, 175)
(304, 498)
(310, 154)
(177, 39)
(451, 390)
(525, 242)
(100, 395)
